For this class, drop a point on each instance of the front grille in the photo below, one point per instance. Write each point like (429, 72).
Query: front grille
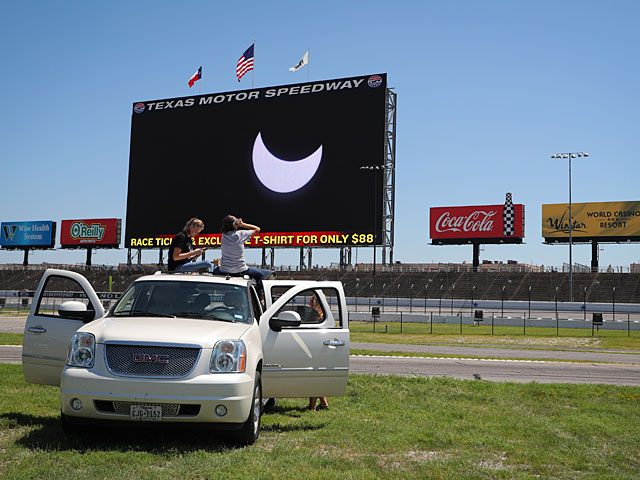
(168, 409)
(146, 361)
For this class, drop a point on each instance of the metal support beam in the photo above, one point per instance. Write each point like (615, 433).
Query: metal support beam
(594, 256)
(389, 176)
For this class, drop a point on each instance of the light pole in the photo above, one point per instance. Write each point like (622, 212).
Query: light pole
(569, 156)
(473, 289)
(453, 287)
(375, 169)
(426, 295)
(411, 298)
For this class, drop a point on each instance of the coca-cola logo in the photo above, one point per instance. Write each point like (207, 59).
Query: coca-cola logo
(478, 221)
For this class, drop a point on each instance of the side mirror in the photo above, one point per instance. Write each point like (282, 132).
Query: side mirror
(287, 318)
(74, 310)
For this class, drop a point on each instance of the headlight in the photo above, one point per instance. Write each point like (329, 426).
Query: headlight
(82, 350)
(228, 356)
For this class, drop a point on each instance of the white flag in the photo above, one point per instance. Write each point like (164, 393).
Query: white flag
(301, 63)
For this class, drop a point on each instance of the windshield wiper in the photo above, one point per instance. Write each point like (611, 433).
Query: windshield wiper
(203, 316)
(143, 313)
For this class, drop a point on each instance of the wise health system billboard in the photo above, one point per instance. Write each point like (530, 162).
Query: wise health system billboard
(29, 234)
(82, 233)
(480, 223)
(605, 221)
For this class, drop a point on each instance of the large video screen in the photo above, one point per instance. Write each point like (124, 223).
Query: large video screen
(286, 158)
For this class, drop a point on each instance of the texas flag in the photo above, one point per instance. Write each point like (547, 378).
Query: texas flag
(195, 77)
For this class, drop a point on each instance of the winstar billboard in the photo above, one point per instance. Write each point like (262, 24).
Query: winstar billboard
(285, 158)
(604, 221)
(489, 223)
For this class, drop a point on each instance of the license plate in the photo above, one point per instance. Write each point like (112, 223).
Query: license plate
(146, 413)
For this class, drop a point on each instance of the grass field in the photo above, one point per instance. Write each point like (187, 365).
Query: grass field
(384, 427)
(10, 338)
(421, 333)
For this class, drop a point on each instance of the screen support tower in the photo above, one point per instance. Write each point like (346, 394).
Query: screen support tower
(389, 176)
(268, 257)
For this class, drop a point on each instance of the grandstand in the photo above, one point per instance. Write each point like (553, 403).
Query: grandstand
(390, 283)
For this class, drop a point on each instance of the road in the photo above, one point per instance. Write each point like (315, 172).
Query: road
(499, 370)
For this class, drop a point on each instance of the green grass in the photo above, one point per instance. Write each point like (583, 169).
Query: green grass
(421, 334)
(11, 338)
(384, 427)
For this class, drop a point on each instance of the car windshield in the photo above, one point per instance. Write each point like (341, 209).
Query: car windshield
(179, 299)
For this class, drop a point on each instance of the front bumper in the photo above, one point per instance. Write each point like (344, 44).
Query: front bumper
(192, 399)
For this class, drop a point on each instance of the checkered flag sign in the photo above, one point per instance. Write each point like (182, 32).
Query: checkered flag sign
(508, 217)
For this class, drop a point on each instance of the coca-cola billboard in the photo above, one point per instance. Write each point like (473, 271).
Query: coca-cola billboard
(500, 223)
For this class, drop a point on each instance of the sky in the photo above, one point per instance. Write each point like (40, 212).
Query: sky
(487, 92)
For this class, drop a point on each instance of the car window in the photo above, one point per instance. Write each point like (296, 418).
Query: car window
(201, 300)
(58, 290)
(317, 307)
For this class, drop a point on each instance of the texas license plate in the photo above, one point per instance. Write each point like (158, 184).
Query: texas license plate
(146, 413)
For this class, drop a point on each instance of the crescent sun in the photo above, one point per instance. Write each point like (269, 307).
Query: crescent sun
(283, 176)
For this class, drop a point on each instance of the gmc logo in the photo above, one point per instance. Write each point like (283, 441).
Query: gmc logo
(145, 358)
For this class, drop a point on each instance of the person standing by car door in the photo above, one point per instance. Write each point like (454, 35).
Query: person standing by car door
(181, 253)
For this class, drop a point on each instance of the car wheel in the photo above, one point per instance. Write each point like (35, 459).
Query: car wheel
(250, 430)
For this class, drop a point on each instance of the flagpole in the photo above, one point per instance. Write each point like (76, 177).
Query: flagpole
(253, 70)
(308, 65)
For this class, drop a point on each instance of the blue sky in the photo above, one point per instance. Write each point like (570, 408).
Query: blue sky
(487, 91)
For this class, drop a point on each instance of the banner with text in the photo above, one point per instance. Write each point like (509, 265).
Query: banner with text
(102, 232)
(266, 240)
(477, 222)
(37, 234)
(592, 220)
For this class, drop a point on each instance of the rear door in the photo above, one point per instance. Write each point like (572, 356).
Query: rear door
(311, 359)
(47, 334)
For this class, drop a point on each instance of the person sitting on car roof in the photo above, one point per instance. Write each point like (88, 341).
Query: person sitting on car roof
(181, 253)
(235, 232)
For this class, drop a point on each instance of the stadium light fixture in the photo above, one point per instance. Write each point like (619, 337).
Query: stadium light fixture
(570, 155)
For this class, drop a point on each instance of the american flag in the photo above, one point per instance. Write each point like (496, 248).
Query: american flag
(245, 63)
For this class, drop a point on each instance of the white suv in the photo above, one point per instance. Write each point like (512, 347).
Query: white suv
(191, 348)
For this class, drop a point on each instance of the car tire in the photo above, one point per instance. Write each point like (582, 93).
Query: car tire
(248, 434)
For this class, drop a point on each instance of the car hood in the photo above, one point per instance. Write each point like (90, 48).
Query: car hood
(204, 333)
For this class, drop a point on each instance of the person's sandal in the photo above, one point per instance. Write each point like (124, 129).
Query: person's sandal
(322, 407)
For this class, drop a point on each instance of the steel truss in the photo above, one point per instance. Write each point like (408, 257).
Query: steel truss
(389, 183)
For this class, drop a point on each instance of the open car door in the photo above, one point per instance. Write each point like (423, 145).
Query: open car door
(63, 302)
(305, 341)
